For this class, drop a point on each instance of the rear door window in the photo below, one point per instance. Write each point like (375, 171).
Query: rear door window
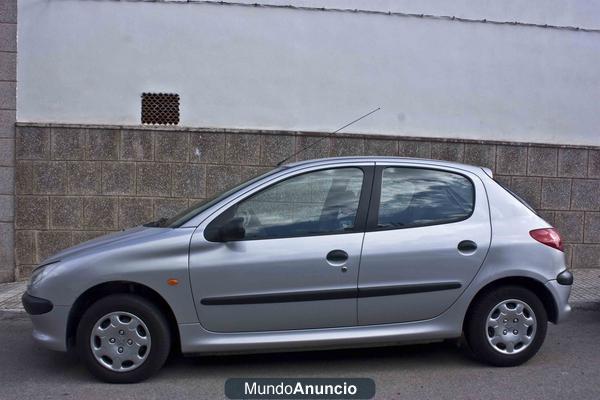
(412, 197)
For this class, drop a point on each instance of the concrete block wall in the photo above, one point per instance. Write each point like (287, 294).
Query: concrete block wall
(8, 78)
(74, 183)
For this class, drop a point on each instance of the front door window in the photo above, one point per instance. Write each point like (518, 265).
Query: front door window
(315, 203)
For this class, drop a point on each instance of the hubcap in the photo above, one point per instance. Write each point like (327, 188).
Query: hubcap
(120, 341)
(511, 326)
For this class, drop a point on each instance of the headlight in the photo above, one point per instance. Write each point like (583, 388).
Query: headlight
(41, 272)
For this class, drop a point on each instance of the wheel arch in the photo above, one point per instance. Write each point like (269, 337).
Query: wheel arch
(104, 289)
(537, 287)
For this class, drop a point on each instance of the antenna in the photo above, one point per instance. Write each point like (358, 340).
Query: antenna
(328, 135)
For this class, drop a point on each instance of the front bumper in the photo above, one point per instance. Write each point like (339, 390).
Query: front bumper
(49, 327)
(35, 305)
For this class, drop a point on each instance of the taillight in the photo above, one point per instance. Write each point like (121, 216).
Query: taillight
(549, 237)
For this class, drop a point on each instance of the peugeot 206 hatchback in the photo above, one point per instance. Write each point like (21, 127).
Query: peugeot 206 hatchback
(317, 254)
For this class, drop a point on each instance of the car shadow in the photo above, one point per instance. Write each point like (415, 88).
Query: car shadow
(351, 362)
(339, 362)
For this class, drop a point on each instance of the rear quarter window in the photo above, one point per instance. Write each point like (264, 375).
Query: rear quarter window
(519, 198)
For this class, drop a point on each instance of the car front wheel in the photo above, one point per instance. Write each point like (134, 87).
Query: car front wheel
(507, 326)
(123, 338)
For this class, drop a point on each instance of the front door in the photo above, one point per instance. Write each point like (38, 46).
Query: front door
(428, 233)
(297, 265)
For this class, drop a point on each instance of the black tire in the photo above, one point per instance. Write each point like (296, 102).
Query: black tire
(150, 315)
(476, 330)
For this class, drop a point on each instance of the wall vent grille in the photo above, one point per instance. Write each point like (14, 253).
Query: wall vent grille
(160, 108)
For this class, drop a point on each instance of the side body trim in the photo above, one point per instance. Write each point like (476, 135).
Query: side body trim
(316, 295)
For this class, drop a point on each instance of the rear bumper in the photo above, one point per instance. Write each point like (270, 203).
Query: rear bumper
(565, 278)
(561, 293)
(49, 322)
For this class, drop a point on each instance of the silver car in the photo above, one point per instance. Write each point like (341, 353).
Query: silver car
(317, 254)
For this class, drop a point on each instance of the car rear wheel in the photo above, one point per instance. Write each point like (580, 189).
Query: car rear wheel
(123, 338)
(507, 326)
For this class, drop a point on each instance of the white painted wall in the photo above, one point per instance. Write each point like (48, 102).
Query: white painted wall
(247, 67)
(581, 13)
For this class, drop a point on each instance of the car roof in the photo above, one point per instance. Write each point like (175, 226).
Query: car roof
(358, 159)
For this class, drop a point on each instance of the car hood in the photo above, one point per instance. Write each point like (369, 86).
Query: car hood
(95, 244)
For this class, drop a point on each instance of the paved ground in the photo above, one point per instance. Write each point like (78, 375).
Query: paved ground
(10, 296)
(568, 366)
(586, 286)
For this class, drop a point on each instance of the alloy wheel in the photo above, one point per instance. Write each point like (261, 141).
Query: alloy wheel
(120, 341)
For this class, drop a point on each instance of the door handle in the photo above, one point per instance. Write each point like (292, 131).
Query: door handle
(337, 257)
(467, 246)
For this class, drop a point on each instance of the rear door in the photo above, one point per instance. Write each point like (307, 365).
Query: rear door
(428, 233)
(297, 266)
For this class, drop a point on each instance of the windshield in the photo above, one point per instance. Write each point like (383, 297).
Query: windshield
(189, 213)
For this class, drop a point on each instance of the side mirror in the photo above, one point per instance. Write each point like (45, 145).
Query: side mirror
(232, 230)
